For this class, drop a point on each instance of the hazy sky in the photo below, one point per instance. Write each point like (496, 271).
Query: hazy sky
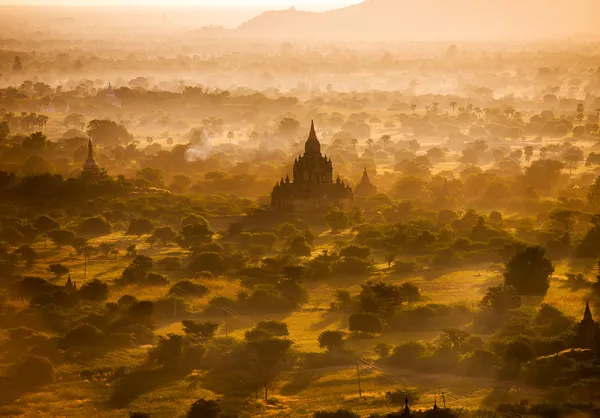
(301, 4)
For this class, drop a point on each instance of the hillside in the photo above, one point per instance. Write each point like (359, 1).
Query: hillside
(402, 20)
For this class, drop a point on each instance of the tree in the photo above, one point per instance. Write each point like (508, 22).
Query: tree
(94, 227)
(108, 133)
(153, 176)
(299, 247)
(4, 130)
(203, 408)
(86, 251)
(337, 220)
(390, 257)
(529, 271)
(94, 290)
(528, 153)
(194, 235)
(543, 175)
(208, 261)
(27, 254)
(274, 328)
(140, 226)
(517, 353)
(201, 330)
(165, 234)
(17, 65)
(288, 127)
(593, 194)
(61, 237)
(453, 104)
(31, 372)
(501, 299)
(331, 340)
(270, 357)
(45, 224)
(58, 270)
(572, 157)
(364, 323)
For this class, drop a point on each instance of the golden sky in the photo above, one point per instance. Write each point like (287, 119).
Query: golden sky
(301, 4)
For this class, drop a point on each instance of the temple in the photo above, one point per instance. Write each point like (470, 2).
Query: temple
(365, 188)
(587, 332)
(312, 185)
(90, 166)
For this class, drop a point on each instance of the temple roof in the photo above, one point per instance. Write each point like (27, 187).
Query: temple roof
(365, 177)
(312, 145)
(90, 163)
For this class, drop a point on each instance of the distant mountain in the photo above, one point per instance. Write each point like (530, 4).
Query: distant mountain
(433, 20)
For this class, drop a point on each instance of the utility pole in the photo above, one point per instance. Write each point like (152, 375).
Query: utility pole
(358, 377)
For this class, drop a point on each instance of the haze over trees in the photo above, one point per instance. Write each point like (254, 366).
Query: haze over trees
(147, 267)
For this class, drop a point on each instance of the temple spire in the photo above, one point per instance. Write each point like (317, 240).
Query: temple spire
(90, 149)
(312, 145)
(587, 315)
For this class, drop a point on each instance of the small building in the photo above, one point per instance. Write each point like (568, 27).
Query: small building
(365, 188)
(90, 166)
(587, 332)
(312, 185)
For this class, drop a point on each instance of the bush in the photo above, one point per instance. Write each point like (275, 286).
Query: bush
(95, 290)
(186, 288)
(32, 371)
(365, 323)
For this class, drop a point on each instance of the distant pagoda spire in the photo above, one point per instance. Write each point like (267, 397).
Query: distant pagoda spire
(587, 315)
(312, 145)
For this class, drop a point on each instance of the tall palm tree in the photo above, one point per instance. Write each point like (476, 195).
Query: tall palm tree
(453, 104)
(413, 107)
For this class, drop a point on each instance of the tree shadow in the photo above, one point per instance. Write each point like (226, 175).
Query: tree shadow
(328, 319)
(300, 381)
(139, 382)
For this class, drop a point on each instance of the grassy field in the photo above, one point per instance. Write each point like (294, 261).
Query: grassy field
(299, 392)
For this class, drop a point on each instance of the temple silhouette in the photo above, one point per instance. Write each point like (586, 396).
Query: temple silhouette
(312, 185)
